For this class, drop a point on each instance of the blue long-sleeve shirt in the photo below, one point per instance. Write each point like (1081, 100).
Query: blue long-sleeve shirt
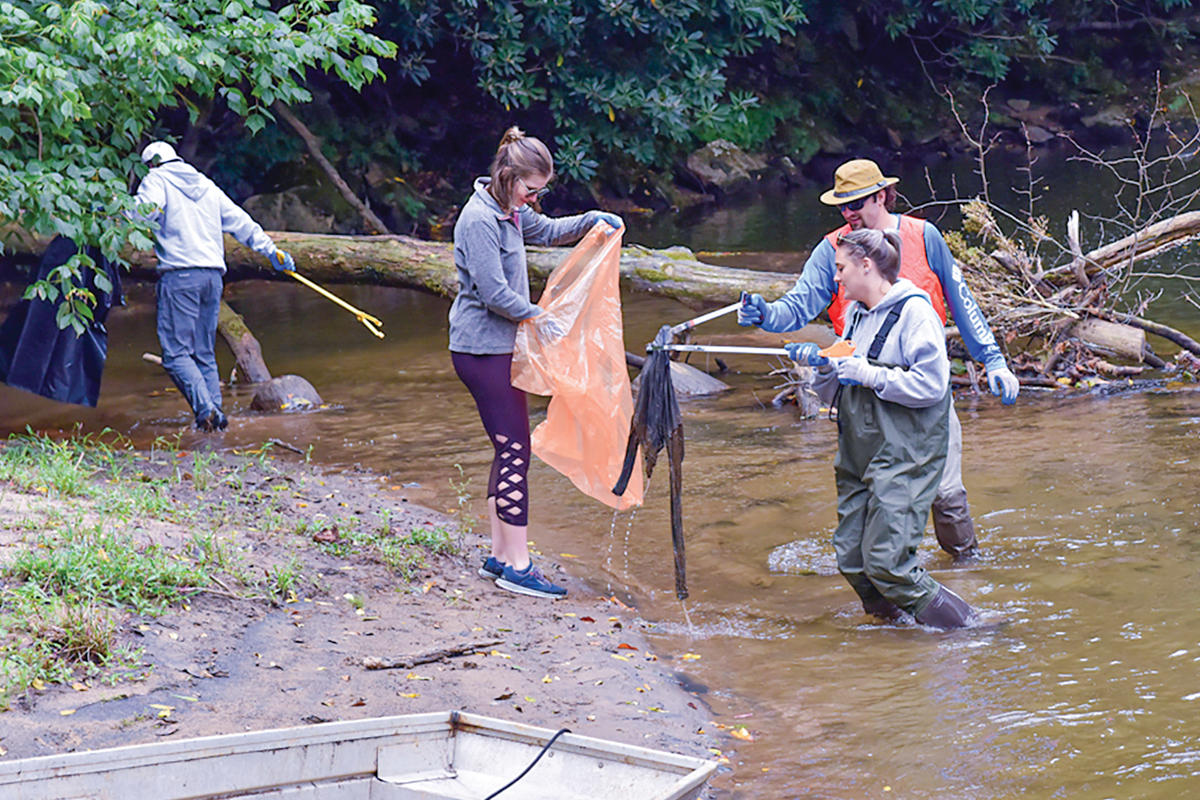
(816, 288)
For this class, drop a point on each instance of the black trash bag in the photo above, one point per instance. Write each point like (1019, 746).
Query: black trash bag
(38, 356)
(657, 424)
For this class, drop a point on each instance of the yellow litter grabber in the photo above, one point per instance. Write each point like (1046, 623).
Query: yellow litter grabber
(366, 319)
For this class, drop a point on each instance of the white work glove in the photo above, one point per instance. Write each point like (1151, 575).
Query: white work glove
(857, 371)
(1004, 385)
(548, 328)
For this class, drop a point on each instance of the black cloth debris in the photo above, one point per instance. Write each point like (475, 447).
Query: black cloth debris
(38, 356)
(656, 424)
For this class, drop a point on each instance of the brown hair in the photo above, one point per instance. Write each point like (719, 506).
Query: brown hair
(889, 197)
(518, 157)
(882, 247)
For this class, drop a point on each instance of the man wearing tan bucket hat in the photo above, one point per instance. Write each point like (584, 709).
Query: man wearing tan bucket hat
(866, 199)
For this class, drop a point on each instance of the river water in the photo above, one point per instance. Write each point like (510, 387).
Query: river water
(1085, 682)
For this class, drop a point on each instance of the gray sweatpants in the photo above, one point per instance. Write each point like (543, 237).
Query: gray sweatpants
(189, 301)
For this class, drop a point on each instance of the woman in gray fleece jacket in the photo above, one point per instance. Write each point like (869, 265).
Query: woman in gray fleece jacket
(893, 400)
(493, 296)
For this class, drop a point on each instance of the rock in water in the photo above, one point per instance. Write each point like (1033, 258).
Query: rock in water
(286, 393)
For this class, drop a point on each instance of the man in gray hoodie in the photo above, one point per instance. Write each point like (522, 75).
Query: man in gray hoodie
(192, 214)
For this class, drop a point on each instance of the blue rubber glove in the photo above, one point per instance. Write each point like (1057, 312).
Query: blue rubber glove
(283, 261)
(805, 354)
(857, 371)
(612, 219)
(753, 310)
(1004, 385)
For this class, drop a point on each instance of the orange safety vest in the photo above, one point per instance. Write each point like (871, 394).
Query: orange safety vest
(914, 265)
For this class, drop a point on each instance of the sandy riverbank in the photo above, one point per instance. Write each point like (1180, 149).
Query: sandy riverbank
(231, 658)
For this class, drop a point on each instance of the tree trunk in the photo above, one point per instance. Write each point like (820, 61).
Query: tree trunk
(246, 349)
(313, 144)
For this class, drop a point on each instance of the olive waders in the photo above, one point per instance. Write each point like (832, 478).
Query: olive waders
(952, 521)
(889, 464)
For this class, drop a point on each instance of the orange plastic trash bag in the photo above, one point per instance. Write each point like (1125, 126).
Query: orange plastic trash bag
(587, 424)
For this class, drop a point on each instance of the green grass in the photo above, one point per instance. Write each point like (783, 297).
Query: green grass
(98, 566)
(282, 580)
(59, 468)
(45, 638)
(78, 574)
(73, 468)
(405, 555)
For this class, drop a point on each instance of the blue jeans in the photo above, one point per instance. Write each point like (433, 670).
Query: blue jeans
(189, 301)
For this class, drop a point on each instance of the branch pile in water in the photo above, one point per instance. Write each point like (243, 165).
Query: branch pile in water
(1064, 321)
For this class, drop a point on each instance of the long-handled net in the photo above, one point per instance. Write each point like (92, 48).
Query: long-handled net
(657, 424)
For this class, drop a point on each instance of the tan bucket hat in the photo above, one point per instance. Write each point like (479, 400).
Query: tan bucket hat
(854, 179)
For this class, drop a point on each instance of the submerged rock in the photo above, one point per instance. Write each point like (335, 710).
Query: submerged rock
(286, 393)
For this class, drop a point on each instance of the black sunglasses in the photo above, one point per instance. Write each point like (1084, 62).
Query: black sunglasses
(539, 194)
(856, 205)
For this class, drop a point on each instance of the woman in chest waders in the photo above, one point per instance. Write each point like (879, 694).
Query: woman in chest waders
(493, 296)
(893, 399)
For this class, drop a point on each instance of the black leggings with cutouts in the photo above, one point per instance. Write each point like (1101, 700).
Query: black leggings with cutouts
(505, 414)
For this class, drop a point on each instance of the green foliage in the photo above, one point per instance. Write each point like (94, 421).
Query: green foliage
(84, 83)
(638, 78)
(985, 37)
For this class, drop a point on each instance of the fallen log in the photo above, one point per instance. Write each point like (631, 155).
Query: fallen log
(407, 262)
(1125, 341)
(1171, 334)
(403, 261)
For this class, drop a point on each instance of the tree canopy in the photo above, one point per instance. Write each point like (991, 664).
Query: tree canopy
(82, 85)
(620, 87)
(620, 77)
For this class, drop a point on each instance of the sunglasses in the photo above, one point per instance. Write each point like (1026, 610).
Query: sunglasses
(536, 195)
(856, 205)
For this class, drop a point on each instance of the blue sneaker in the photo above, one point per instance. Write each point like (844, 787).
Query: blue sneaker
(491, 569)
(531, 581)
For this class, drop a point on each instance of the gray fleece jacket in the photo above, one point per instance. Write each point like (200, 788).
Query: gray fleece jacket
(192, 214)
(916, 347)
(493, 277)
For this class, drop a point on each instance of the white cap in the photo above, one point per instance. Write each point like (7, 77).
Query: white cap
(160, 150)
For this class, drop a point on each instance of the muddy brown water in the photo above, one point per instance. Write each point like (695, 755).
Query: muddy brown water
(1085, 682)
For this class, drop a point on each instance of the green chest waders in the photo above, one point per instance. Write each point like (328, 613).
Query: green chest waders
(889, 463)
